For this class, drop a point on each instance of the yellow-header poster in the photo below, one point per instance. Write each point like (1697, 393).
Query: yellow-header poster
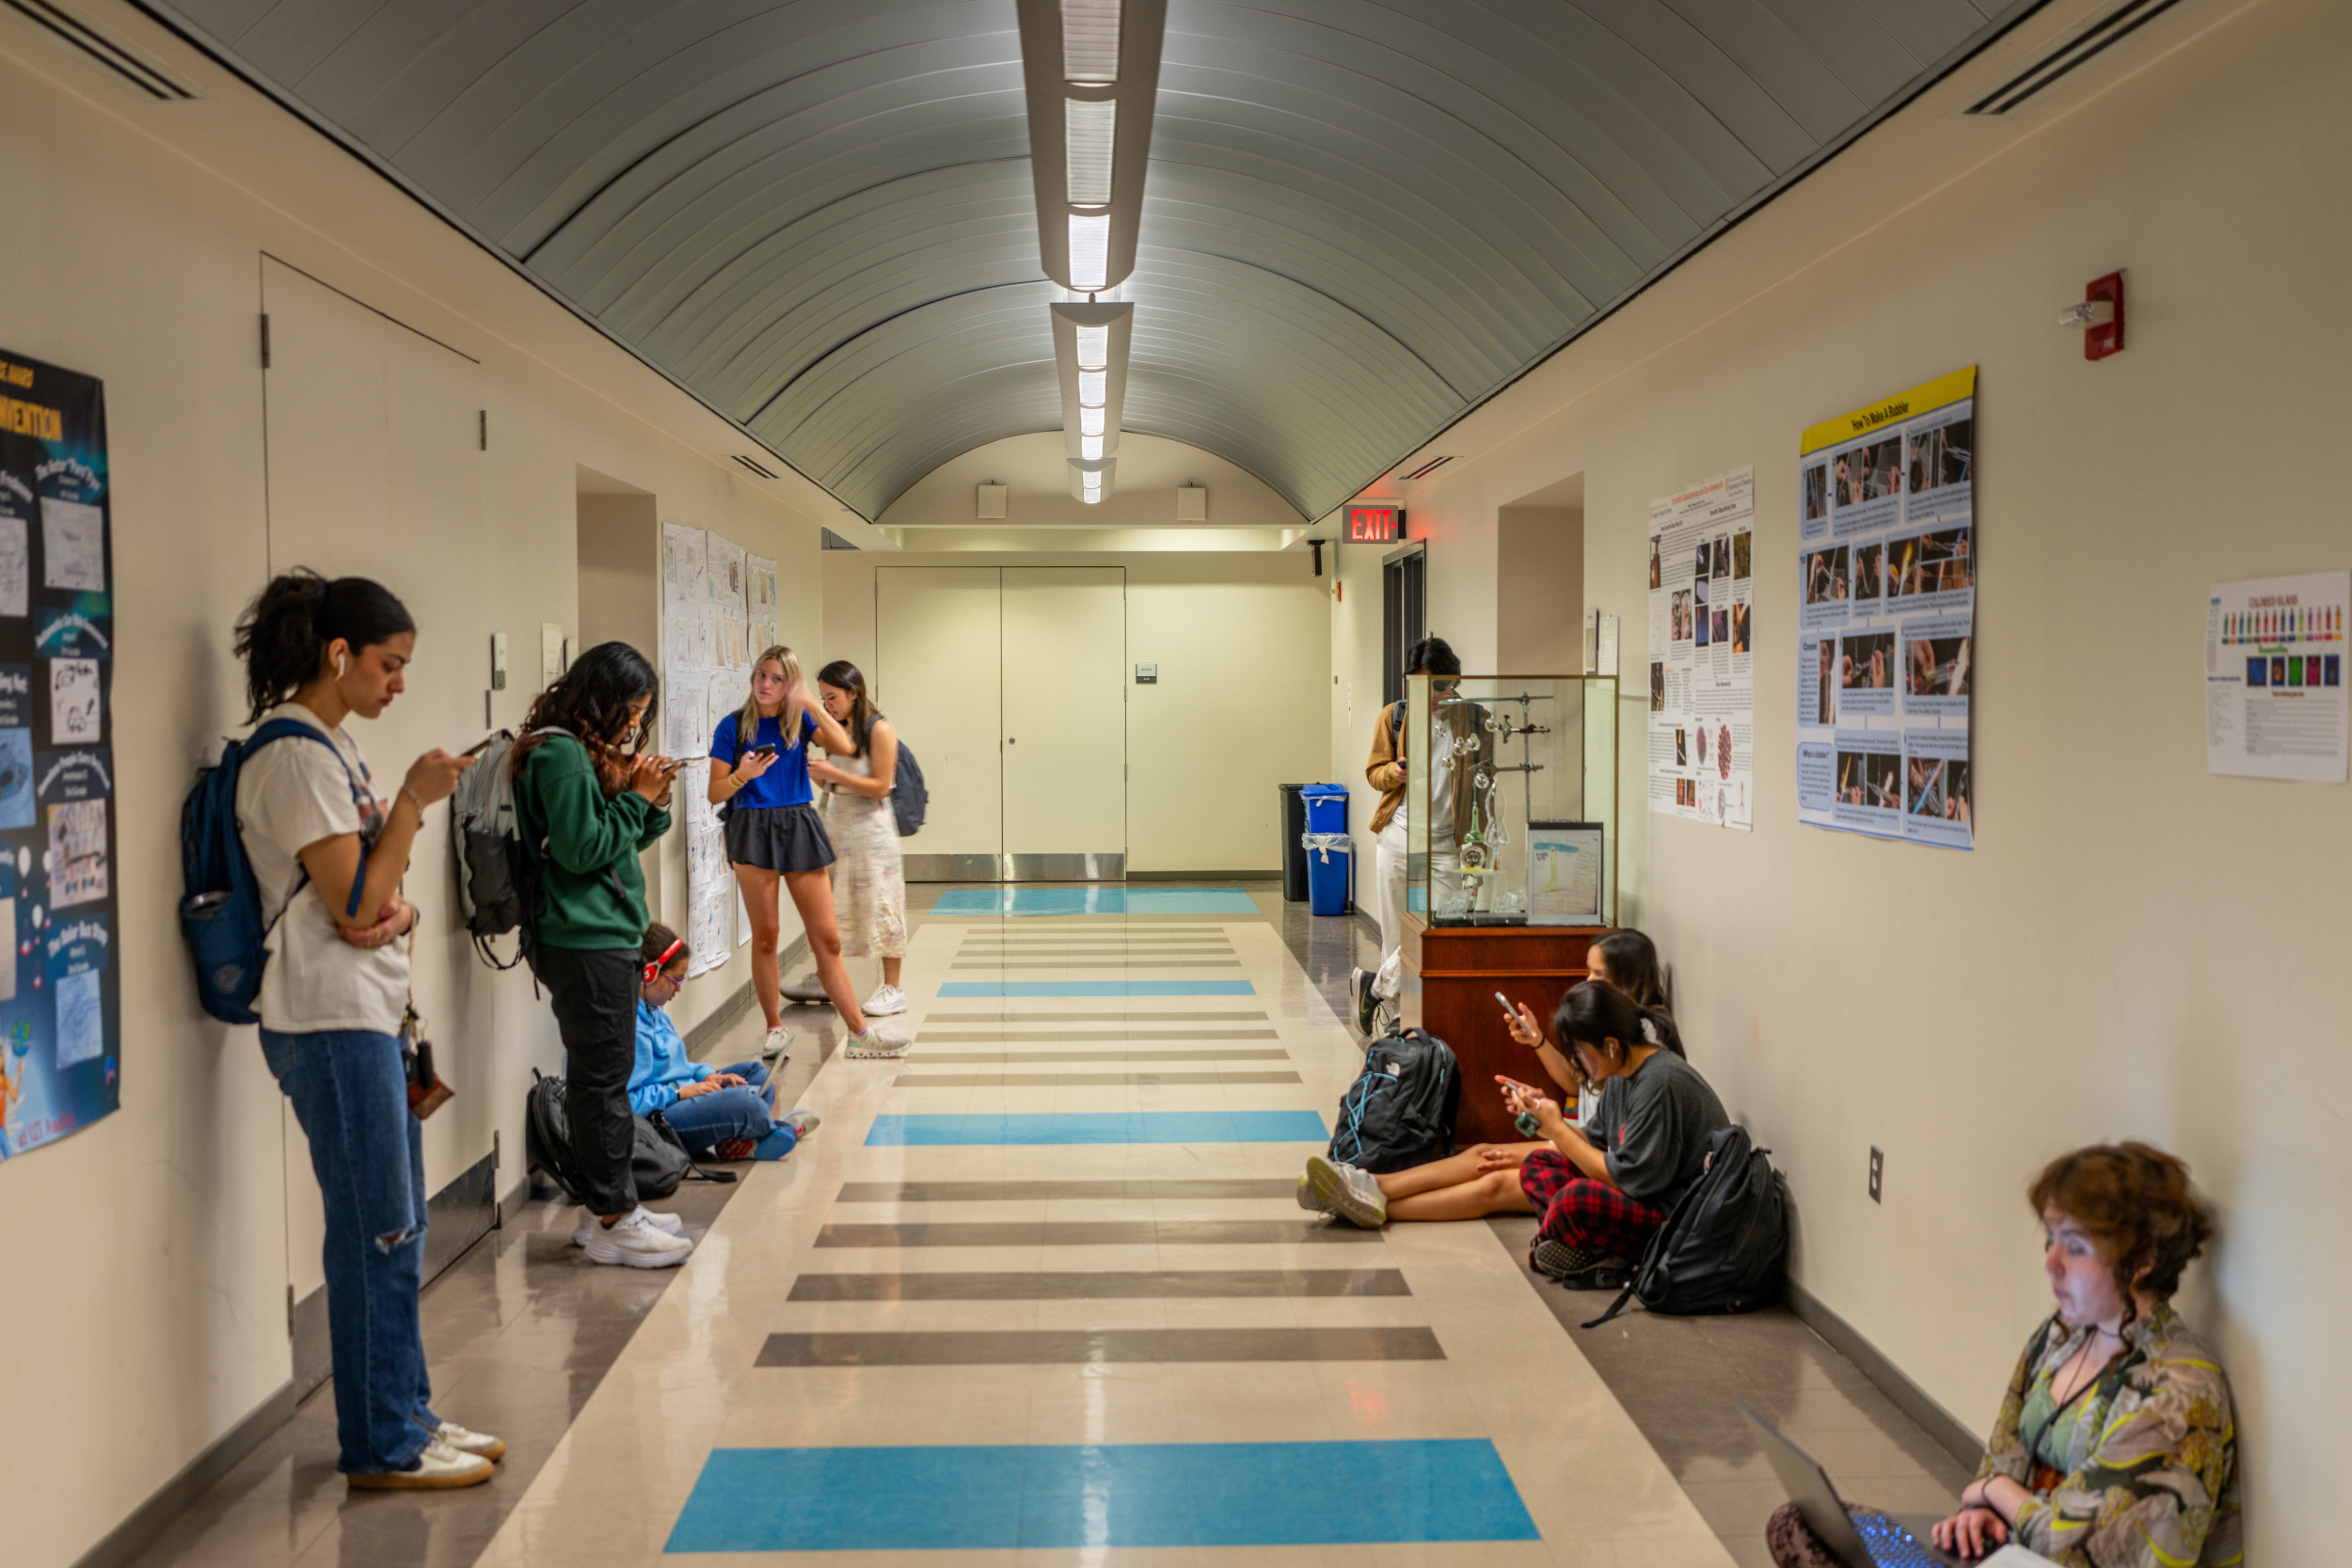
(1925, 398)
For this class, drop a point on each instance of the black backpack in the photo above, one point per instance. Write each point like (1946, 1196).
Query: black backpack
(658, 1161)
(1724, 1245)
(1399, 1113)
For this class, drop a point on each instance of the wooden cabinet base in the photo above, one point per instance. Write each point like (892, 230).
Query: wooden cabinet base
(1452, 974)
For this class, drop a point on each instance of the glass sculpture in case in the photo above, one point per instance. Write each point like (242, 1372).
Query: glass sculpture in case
(1511, 799)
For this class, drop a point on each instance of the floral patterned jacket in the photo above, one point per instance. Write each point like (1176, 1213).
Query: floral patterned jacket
(2150, 1479)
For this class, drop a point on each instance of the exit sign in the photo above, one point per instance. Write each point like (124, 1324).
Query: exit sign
(1374, 525)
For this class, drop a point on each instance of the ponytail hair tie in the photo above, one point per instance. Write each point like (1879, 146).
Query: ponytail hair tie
(1649, 1031)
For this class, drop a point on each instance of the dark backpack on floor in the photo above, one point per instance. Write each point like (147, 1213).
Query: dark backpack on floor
(658, 1160)
(1399, 1113)
(1724, 1245)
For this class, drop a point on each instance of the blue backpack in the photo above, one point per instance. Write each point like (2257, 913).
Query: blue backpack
(910, 799)
(220, 911)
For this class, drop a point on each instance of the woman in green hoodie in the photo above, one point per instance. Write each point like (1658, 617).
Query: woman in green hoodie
(588, 796)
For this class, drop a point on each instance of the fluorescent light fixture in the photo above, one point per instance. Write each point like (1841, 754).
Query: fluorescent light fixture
(1094, 347)
(1090, 252)
(1091, 383)
(1089, 42)
(1090, 447)
(1090, 129)
(1089, 423)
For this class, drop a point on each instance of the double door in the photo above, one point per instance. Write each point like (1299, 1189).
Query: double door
(1009, 683)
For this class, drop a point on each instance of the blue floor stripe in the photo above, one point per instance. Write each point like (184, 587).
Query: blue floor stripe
(1110, 899)
(1097, 987)
(1101, 1495)
(1102, 1127)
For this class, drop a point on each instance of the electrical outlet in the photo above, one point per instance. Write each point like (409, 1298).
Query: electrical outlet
(1878, 1170)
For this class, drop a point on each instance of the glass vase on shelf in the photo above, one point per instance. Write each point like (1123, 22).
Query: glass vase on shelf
(1511, 799)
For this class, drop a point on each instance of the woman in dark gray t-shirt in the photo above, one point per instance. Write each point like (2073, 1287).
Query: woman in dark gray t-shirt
(1603, 1193)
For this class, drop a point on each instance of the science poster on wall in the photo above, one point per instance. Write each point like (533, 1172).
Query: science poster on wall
(60, 1004)
(2274, 677)
(1886, 577)
(1702, 660)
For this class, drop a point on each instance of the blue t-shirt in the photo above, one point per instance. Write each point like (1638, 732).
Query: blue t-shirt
(785, 782)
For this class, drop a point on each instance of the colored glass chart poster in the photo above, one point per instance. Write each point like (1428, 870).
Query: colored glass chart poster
(1701, 659)
(1887, 573)
(60, 1004)
(2274, 677)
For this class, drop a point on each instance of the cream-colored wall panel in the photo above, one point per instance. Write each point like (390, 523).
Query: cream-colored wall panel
(938, 673)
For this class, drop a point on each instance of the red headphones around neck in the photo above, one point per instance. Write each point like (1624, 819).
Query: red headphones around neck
(652, 969)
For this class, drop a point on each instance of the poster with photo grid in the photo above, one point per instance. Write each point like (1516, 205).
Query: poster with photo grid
(61, 1003)
(1886, 582)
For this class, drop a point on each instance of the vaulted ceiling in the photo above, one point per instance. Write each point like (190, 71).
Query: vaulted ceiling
(1361, 217)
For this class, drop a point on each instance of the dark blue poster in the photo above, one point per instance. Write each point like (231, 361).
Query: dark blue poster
(60, 994)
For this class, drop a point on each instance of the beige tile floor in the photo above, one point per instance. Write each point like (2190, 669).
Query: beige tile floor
(616, 1483)
(613, 1387)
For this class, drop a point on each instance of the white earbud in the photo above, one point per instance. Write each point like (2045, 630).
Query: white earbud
(339, 667)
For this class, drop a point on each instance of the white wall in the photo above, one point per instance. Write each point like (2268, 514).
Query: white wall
(1243, 642)
(2134, 948)
(145, 1297)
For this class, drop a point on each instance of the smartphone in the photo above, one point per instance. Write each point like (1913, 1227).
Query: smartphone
(1508, 1011)
(761, 751)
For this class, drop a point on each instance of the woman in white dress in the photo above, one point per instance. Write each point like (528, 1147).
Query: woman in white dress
(870, 887)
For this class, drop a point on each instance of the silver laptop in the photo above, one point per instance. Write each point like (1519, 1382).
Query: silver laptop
(1864, 1541)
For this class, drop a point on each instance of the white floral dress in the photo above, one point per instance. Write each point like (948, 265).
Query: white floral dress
(869, 884)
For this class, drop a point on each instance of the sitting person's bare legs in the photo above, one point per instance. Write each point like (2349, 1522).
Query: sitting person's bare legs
(1481, 1179)
(1454, 1169)
(1497, 1191)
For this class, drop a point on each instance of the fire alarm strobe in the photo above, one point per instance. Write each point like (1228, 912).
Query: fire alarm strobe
(2100, 315)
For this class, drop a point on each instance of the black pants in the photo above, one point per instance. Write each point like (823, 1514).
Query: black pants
(596, 1011)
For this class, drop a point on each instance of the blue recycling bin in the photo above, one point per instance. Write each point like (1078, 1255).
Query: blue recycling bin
(1331, 873)
(1326, 808)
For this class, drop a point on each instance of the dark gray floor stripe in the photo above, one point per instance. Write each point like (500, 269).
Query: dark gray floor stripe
(1082, 963)
(1078, 1080)
(1011, 1192)
(1095, 1346)
(937, 1016)
(1103, 1055)
(1071, 1285)
(1205, 950)
(913, 1233)
(1031, 1036)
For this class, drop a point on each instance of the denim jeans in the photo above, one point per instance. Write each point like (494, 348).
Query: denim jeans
(711, 1120)
(352, 1099)
(594, 994)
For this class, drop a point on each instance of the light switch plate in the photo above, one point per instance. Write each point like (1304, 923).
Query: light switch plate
(1147, 674)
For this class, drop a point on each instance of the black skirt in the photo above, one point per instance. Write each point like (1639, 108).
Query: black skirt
(778, 838)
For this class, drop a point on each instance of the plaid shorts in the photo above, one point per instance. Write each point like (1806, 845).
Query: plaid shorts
(1580, 1211)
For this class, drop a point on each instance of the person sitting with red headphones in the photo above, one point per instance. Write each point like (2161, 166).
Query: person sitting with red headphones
(727, 1113)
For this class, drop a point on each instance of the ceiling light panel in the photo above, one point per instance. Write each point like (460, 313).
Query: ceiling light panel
(1090, 446)
(1089, 423)
(1094, 343)
(1090, 252)
(1091, 388)
(1090, 129)
(1089, 42)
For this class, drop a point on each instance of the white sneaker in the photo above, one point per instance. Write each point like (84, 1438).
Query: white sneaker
(875, 1043)
(480, 1444)
(808, 988)
(1351, 1194)
(438, 1469)
(637, 1242)
(886, 1002)
(802, 1122)
(589, 1219)
(772, 1047)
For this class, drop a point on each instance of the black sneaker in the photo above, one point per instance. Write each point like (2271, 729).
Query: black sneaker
(1580, 1269)
(1367, 1004)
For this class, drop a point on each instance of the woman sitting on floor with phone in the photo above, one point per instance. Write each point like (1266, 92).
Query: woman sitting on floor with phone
(1601, 1193)
(729, 1113)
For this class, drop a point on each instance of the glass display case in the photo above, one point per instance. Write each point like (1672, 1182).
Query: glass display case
(1511, 799)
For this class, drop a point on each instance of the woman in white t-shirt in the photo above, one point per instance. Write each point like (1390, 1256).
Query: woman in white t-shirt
(328, 857)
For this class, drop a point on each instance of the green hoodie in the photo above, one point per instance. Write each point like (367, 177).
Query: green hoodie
(595, 891)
